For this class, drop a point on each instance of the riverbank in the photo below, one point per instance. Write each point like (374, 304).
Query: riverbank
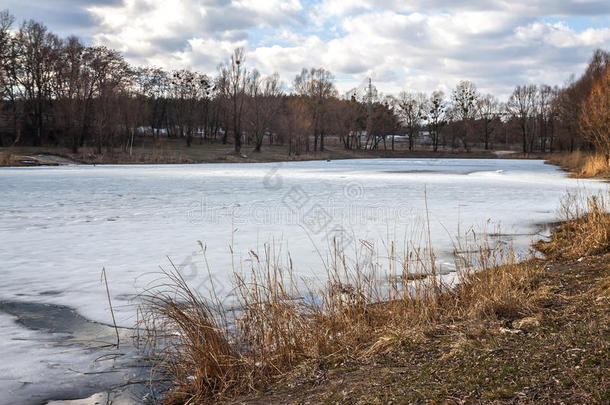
(9, 158)
(578, 164)
(581, 165)
(175, 152)
(531, 331)
(558, 353)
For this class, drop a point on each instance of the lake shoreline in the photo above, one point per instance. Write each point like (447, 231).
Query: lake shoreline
(553, 353)
(531, 331)
(357, 181)
(462, 354)
(199, 154)
(56, 156)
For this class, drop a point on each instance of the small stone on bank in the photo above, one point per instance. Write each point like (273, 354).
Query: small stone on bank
(528, 323)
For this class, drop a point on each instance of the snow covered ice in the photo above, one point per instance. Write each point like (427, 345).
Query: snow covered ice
(60, 225)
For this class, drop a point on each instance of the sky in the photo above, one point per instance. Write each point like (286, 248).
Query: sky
(402, 45)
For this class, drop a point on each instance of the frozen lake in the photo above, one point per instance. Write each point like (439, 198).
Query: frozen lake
(60, 225)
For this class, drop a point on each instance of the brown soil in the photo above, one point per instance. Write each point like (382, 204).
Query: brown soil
(174, 151)
(559, 354)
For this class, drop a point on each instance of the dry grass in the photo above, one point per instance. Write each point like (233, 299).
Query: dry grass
(193, 343)
(371, 303)
(580, 164)
(144, 156)
(6, 158)
(150, 155)
(277, 322)
(585, 231)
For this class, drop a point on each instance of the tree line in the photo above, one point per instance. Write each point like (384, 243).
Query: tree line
(57, 91)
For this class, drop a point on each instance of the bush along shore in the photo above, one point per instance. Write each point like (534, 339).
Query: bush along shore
(385, 328)
(581, 164)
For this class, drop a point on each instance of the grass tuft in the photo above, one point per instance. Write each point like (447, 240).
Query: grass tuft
(582, 233)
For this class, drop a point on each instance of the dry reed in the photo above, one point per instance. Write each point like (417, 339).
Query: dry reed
(584, 230)
(372, 300)
(6, 158)
(582, 164)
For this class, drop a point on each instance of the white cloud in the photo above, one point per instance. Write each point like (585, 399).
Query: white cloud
(334, 8)
(559, 35)
(417, 45)
(435, 50)
(146, 30)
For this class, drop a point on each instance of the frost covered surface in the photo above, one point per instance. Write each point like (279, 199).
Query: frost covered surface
(38, 366)
(60, 225)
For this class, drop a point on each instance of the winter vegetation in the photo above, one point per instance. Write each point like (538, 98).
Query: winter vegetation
(278, 333)
(58, 92)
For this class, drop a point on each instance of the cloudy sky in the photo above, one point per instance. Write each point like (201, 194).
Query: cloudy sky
(403, 45)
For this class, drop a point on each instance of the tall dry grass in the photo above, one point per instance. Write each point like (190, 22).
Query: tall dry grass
(581, 164)
(209, 348)
(154, 156)
(585, 229)
(6, 158)
(372, 299)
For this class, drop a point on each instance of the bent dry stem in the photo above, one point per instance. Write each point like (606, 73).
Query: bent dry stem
(116, 329)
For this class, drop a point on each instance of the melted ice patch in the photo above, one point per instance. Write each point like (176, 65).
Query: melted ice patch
(51, 352)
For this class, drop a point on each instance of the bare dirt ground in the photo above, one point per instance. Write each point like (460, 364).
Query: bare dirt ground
(33, 159)
(559, 354)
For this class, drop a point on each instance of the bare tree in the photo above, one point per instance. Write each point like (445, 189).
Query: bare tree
(296, 123)
(436, 117)
(568, 108)
(234, 81)
(9, 90)
(68, 91)
(155, 86)
(412, 110)
(316, 86)
(595, 115)
(464, 98)
(189, 90)
(521, 105)
(108, 74)
(488, 111)
(545, 115)
(37, 54)
(6, 21)
(264, 102)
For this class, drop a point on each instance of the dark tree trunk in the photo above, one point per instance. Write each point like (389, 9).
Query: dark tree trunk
(237, 137)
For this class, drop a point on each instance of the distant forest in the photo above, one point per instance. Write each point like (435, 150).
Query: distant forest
(59, 92)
